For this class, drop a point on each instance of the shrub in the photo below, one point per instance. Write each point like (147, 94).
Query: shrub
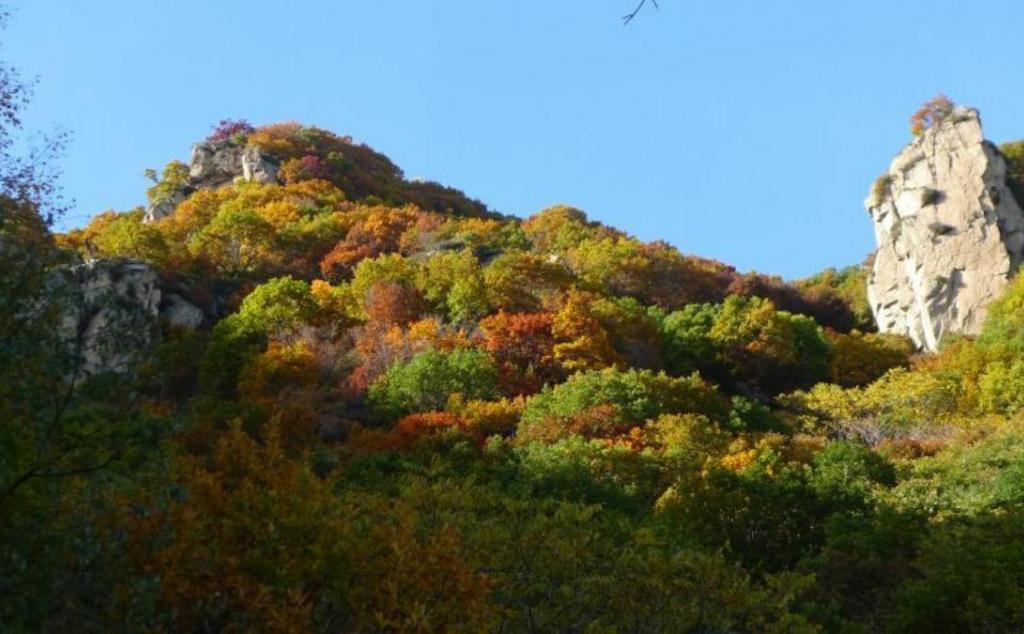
(848, 473)
(392, 268)
(279, 367)
(489, 418)
(429, 380)
(235, 129)
(654, 273)
(561, 228)
(393, 303)
(582, 342)
(685, 341)
(173, 177)
(932, 113)
(414, 427)
(900, 404)
(1001, 387)
(127, 235)
(518, 281)
(278, 307)
(849, 285)
(606, 402)
(378, 233)
(523, 346)
(879, 189)
(309, 167)
(356, 169)
(859, 359)
(771, 350)
(452, 281)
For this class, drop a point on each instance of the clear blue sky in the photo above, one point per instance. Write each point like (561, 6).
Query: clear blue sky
(744, 130)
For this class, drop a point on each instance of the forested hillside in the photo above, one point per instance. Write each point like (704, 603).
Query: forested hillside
(396, 410)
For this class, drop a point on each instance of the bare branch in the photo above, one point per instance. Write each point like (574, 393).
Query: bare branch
(626, 19)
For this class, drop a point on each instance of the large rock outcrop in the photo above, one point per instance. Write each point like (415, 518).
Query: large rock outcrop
(113, 308)
(218, 163)
(950, 233)
(111, 313)
(215, 164)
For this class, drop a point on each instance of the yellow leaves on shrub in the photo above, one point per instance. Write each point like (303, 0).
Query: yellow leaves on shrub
(280, 366)
(238, 542)
(431, 334)
(690, 434)
(80, 239)
(740, 460)
(279, 213)
(745, 450)
(899, 402)
(582, 342)
(283, 381)
(257, 538)
(334, 301)
(279, 139)
(859, 359)
(489, 418)
(409, 582)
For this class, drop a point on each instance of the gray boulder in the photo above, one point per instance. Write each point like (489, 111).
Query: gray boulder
(180, 312)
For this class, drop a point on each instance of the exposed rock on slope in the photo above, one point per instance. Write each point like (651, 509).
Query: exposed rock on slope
(949, 232)
(111, 313)
(113, 307)
(215, 164)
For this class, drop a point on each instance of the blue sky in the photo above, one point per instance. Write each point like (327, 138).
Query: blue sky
(744, 130)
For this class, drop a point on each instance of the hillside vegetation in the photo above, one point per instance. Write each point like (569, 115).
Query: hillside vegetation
(416, 414)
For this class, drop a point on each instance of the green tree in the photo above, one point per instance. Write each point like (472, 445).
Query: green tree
(453, 282)
(429, 379)
(772, 350)
(237, 242)
(610, 401)
(275, 309)
(686, 340)
(129, 236)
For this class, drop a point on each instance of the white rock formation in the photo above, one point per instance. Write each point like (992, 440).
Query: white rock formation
(949, 233)
(215, 164)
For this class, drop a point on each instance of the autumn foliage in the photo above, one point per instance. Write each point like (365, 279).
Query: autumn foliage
(523, 345)
(932, 113)
(405, 413)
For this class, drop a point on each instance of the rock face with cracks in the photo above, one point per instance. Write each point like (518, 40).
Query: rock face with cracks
(113, 308)
(950, 233)
(215, 164)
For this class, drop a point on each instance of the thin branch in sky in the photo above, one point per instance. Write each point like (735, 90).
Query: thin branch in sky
(626, 19)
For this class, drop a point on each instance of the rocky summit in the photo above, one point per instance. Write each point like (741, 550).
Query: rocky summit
(216, 163)
(949, 233)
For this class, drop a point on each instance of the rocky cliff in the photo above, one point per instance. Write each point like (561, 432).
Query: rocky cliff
(949, 231)
(215, 164)
(114, 307)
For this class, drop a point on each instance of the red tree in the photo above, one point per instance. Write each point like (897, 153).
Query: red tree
(523, 346)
